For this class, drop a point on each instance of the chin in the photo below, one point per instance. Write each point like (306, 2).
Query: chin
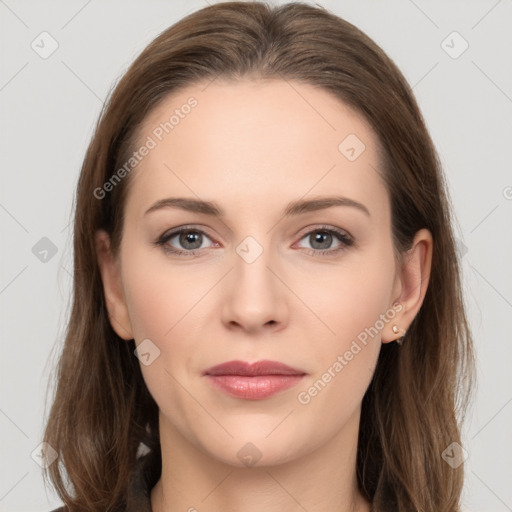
(252, 449)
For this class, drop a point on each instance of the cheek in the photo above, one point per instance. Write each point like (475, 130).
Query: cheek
(366, 298)
(159, 295)
(345, 366)
(351, 299)
(161, 301)
(355, 307)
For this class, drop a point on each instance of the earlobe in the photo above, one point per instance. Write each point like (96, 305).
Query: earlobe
(112, 288)
(413, 280)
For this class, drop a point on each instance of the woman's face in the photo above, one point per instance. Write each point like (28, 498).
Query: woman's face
(275, 276)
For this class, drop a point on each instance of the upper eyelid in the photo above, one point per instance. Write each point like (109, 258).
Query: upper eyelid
(170, 233)
(326, 227)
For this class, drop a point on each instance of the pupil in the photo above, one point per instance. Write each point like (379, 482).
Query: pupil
(326, 237)
(189, 238)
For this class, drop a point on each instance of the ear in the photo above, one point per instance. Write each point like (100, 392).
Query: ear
(112, 287)
(411, 285)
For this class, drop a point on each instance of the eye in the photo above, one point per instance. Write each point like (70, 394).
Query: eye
(189, 240)
(321, 241)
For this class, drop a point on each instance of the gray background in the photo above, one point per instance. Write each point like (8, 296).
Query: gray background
(49, 107)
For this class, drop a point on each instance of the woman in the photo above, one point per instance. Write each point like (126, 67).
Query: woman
(267, 308)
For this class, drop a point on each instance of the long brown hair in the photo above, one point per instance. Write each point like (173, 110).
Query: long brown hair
(420, 391)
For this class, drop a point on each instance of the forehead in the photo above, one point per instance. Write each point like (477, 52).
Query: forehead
(252, 140)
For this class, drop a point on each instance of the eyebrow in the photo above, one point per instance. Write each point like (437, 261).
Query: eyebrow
(297, 207)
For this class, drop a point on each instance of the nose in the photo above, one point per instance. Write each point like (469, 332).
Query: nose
(254, 299)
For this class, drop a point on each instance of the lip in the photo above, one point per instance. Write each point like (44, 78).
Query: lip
(253, 381)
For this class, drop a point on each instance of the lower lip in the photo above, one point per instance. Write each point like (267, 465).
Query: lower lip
(253, 388)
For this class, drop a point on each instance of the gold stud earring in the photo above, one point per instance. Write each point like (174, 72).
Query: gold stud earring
(396, 330)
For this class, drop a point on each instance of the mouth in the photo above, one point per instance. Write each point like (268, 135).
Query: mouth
(255, 381)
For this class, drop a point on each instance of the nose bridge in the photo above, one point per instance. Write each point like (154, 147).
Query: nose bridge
(254, 297)
(251, 271)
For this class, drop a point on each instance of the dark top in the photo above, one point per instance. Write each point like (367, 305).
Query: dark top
(144, 476)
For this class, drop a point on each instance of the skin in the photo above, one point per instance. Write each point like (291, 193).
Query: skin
(253, 146)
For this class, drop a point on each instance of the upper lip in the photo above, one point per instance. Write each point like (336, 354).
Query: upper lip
(252, 369)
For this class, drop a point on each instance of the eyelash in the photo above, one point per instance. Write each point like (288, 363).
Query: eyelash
(343, 237)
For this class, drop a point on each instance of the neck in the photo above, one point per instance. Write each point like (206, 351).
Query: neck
(323, 480)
